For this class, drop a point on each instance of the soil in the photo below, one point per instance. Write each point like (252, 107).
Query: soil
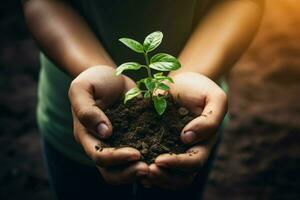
(136, 124)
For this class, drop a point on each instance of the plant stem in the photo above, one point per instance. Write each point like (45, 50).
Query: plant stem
(147, 65)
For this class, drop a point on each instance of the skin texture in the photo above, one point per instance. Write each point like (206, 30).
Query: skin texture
(221, 37)
(215, 45)
(64, 36)
(90, 95)
(235, 22)
(209, 102)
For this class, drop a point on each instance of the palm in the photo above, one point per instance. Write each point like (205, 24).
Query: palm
(206, 100)
(90, 93)
(191, 90)
(107, 88)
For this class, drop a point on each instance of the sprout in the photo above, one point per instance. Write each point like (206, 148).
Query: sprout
(161, 62)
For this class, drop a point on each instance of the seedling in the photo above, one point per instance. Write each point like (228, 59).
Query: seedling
(161, 62)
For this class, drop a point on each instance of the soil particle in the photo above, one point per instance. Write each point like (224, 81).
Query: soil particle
(99, 147)
(183, 111)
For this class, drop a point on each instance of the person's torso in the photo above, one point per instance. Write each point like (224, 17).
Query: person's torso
(113, 19)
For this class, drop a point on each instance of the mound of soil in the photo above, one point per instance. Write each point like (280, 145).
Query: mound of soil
(136, 124)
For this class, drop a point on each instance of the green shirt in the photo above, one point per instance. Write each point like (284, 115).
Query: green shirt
(111, 20)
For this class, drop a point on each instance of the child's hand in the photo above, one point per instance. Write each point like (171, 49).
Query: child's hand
(90, 93)
(203, 97)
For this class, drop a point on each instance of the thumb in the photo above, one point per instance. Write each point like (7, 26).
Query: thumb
(86, 110)
(206, 125)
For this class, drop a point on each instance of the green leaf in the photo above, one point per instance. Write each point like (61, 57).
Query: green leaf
(152, 41)
(164, 62)
(127, 66)
(138, 83)
(131, 94)
(147, 95)
(158, 74)
(160, 104)
(161, 77)
(133, 44)
(163, 86)
(149, 83)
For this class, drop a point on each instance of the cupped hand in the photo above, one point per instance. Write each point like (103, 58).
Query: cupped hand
(90, 93)
(207, 100)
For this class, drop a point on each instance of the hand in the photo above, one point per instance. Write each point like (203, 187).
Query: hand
(203, 97)
(90, 93)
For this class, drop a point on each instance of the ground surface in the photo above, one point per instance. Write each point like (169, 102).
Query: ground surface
(259, 157)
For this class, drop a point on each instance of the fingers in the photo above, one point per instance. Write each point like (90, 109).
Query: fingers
(158, 176)
(191, 161)
(106, 156)
(111, 157)
(85, 108)
(207, 124)
(171, 171)
(169, 180)
(122, 175)
(204, 98)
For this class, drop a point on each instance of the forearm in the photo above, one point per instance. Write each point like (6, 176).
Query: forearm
(64, 36)
(221, 37)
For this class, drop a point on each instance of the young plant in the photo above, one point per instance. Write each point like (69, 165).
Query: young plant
(161, 62)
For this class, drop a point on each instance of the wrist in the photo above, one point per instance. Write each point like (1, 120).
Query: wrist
(107, 69)
(75, 67)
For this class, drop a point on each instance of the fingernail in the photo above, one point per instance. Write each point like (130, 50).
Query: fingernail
(161, 164)
(102, 129)
(134, 157)
(189, 136)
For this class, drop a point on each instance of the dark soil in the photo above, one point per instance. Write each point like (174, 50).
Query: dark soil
(137, 125)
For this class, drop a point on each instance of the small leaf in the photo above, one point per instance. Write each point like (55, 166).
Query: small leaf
(160, 104)
(127, 66)
(149, 83)
(133, 44)
(164, 62)
(138, 83)
(147, 95)
(152, 41)
(158, 74)
(131, 94)
(163, 86)
(161, 77)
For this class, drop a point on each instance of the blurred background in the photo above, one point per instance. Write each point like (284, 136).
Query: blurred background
(260, 154)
